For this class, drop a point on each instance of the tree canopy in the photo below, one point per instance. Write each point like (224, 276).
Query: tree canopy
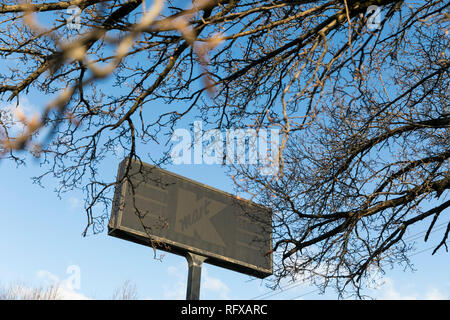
(358, 90)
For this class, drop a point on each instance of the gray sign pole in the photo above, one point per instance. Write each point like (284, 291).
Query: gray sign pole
(195, 271)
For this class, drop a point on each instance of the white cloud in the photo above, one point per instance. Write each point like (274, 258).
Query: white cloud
(388, 291)
(66, 293)
(175, 271)
(47, 276)
(119, 152)
(65, 288)
(214, 285)
(435, 294)
(176, 291)
(210, 286)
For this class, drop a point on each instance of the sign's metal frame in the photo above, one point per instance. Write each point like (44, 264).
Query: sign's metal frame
(117, 230)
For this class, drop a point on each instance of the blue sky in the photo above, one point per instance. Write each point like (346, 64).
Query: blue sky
(40, 238)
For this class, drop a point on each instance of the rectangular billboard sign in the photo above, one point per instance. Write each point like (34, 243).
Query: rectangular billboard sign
(180, 215)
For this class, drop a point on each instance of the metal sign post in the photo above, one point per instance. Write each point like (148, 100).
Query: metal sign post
(195, 271)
